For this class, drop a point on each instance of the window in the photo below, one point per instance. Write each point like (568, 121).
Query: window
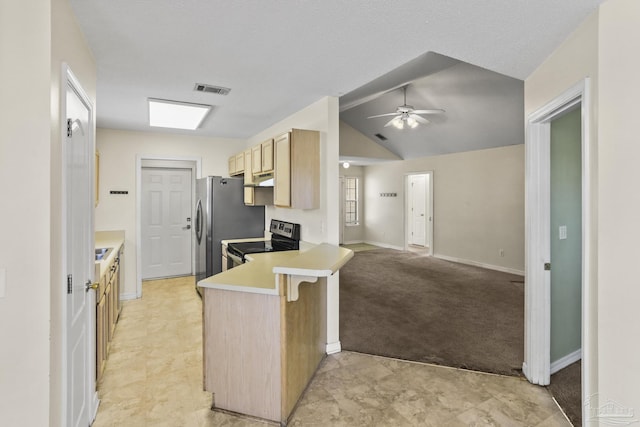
(351, 201)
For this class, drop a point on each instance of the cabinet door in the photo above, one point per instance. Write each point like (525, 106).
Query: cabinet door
(282, 174)
(248, 173)
(267, 156)
(232, 165)
(115, 290)
(101, 338)
(240, 163)
(256, 159)
(108, 301)
(248, 196)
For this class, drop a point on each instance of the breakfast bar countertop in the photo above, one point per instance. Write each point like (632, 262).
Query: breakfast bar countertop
(259, 275)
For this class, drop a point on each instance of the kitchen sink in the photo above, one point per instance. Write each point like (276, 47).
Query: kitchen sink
(102, 253)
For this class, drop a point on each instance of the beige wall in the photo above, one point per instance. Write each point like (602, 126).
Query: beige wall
(619, 203)
(118, 153)
(478, 202)
(25, 86)
(35, 38)
(574, 60)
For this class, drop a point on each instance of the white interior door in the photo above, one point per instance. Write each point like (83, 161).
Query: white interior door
(79, 257)
(166, 222)
(417, 210)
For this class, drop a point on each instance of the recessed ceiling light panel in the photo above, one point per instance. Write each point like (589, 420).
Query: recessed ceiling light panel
(176, 115)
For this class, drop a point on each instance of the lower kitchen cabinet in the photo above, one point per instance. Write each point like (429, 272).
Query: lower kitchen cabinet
(107, 310)
(101, 337)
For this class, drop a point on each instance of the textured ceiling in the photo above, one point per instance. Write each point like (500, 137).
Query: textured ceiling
(279, 56)
(483, 109)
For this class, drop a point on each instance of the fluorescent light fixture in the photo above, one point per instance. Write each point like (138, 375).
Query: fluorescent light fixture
(176, 115)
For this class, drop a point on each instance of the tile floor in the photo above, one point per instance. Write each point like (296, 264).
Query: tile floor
(154, 378)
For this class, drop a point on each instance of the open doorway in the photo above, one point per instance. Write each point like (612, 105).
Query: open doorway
(419, 212)
(557, 320)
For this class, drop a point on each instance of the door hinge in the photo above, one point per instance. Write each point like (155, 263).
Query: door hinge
(69, 128)
(547, 266)
(69, 283)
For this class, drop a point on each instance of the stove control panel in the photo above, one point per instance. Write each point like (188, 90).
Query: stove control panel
(285, 229)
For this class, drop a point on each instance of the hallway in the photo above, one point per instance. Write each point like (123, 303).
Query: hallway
(154, 378)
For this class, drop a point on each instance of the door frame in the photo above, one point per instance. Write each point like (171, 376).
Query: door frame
(537, 364)
(69, 79)
(140, 160)
(407, 211)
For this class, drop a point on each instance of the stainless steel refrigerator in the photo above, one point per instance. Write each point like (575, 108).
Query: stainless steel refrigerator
(221, 214)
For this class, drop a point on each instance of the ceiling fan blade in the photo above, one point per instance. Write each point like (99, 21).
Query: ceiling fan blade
(434, 111)
(419, 119)
(390, 122)
(383, 115)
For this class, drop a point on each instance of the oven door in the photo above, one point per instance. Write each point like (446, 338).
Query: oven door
(233, 260)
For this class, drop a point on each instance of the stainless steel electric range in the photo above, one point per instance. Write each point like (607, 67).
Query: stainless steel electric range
(285, 236)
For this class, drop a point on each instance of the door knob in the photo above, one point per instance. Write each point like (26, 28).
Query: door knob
(91, 285)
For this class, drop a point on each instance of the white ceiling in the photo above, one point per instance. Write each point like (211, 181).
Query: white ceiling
(279, 56)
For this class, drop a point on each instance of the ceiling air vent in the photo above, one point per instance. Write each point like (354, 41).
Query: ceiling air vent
(218, 90)
(381, 137)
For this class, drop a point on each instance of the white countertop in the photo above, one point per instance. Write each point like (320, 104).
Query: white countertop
(107, 239)
(259, 275)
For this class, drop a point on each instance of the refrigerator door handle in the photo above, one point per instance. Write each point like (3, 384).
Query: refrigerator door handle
(199, 221)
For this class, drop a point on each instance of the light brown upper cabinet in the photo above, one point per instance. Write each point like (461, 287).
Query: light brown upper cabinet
(297, 169)
(248, 176)
(256, 159)
(267, 156)
(240, 163)
(232, 165)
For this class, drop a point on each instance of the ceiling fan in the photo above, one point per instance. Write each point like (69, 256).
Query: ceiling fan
(406, 114)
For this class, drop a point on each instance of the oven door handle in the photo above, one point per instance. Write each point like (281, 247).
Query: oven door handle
(234, 257)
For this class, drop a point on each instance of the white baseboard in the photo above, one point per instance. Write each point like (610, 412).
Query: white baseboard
(565, 361)
(352, 242)
(480, 264)
(125, 297)
(384, 245)
(333, 347)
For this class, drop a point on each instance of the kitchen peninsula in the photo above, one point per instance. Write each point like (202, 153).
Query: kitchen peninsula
(264, 329)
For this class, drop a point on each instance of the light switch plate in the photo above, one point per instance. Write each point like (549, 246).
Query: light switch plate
(3, 282)
(562, 232)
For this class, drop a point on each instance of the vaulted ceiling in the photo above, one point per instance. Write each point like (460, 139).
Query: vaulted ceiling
(279, 56)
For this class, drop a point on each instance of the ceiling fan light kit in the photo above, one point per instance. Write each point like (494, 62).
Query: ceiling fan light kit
(407, 115)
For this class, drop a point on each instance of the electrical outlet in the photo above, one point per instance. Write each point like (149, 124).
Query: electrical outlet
(501, 252)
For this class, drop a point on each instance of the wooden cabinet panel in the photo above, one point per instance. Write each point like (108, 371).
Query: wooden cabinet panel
(232, 165)
(297, 170)
(282, 174)
(239, 163)
(256, 159)
(248, 173)
(267, 156)
(248, 195)
(101, 338)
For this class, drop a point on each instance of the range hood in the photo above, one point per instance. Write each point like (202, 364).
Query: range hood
(265, 180)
